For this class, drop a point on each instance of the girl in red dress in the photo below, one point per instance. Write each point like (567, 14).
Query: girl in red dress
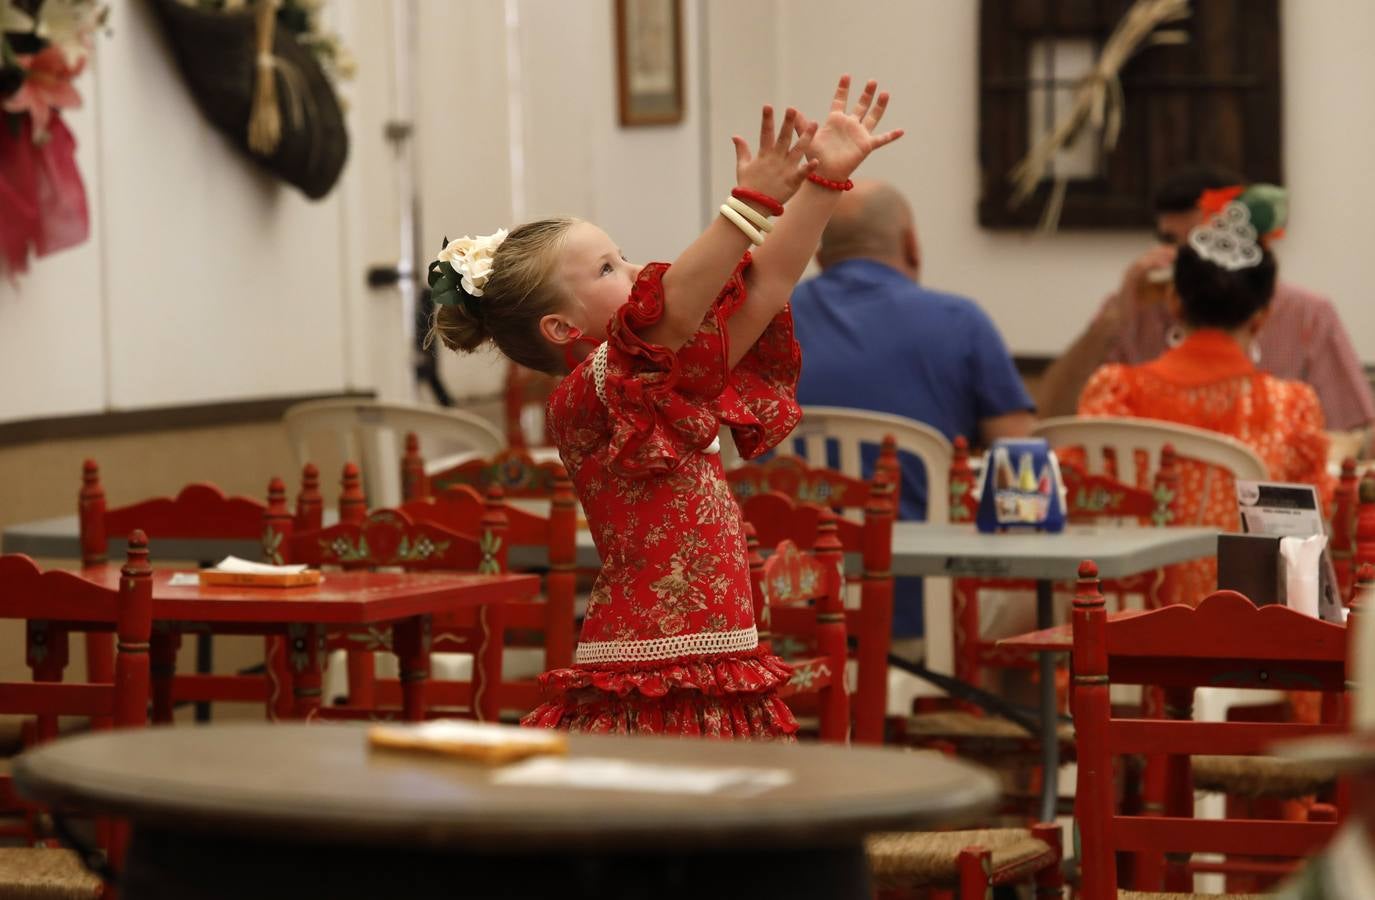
(657, 358)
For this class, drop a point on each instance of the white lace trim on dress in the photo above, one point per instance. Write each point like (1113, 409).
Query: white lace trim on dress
(594, 652)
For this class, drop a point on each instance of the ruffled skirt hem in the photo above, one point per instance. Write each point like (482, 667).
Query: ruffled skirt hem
(725, 697)
(716, 676)
(681, 713)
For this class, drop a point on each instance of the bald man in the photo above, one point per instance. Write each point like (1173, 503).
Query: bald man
(874, 338)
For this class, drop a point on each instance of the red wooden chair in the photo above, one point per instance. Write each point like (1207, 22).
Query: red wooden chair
(200, 511)
(550, 616)
(1364, 543)
(798, 594)
(777, 517)
(1342, 531)
(1225, 641)
(452, 497)
(524, 388)
(512, 470)
(53, 604)
(392, 538)
(965, 865)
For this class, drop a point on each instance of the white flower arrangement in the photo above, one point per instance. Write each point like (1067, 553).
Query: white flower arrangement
(471, 259)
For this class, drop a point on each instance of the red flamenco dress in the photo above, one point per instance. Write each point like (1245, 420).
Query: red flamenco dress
(669, 644)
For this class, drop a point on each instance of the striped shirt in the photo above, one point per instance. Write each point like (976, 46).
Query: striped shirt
(1303, 340)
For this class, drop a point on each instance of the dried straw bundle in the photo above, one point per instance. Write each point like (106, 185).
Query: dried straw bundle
(1098, 102)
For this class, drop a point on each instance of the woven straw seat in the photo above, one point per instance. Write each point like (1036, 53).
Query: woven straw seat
(1146, 895)
(38, 873)
(987, 734)
(918, 858)
(1260, 776)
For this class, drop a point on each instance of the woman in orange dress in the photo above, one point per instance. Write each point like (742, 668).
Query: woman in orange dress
(1224, 276)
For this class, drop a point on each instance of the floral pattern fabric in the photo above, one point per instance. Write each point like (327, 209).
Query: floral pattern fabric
(669, 642)
(1208, 381)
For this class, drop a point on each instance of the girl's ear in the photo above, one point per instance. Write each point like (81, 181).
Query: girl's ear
(557, 329)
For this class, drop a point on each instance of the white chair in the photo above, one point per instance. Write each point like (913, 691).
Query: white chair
(1128, 436)
(373, 435)
(849, 429)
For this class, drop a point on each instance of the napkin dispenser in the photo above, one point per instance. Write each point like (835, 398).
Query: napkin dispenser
(1022, 487)
(1250, 565)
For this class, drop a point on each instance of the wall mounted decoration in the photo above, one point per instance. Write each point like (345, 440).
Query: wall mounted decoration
(1085, 107)
(649, 61)
(261, 73)
(43, 48)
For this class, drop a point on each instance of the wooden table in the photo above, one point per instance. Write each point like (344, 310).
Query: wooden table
(401, 602)
(295, 811)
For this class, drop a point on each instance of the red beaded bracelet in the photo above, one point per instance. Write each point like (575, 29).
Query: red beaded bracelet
(752, 196)
(828, 183)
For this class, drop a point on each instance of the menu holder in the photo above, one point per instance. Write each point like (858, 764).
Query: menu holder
(255, 579)
(235, 572)
(1022, 488)
(486, 744)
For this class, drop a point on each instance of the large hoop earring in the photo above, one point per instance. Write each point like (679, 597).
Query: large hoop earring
(1174, 337)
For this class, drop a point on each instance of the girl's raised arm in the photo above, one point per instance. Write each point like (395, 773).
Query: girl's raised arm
(843, 141)
(695, 279)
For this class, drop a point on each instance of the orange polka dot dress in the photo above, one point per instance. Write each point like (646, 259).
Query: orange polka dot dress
(1209, 381)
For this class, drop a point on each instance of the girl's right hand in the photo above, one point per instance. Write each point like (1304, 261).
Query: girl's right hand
(781, 165)
(847, 137)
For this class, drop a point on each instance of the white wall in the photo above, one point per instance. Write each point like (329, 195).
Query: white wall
(204, 280)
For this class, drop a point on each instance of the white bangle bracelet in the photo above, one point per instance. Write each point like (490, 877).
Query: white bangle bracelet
(760, 220)
(739, 221)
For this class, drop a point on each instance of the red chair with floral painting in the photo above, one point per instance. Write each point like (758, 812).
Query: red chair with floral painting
(513, 470)
(392, 538)
(548, 620)
(777, 517)
(52, 605)
(797, 594)
(200, 511)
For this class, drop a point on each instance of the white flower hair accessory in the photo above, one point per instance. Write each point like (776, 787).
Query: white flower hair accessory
(463, 265)
(1228, 239)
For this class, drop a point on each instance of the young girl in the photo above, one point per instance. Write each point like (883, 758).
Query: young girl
(658, 357)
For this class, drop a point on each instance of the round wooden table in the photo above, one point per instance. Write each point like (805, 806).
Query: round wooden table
(266, 811)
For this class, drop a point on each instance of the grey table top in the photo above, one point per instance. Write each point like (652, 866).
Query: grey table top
(323, 781)
(919, 548)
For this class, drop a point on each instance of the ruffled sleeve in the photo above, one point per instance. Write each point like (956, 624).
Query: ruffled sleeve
(663, 406)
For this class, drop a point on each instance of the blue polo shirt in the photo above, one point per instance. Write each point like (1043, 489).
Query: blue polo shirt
(874, 339)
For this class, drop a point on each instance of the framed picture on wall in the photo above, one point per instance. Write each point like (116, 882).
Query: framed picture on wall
(649, 61)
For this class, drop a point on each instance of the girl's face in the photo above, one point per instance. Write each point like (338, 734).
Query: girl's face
(596, 276)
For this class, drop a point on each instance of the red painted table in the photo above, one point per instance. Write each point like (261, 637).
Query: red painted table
(401, 602)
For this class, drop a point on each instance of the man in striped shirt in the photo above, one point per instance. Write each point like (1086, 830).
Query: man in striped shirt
(1303, 339)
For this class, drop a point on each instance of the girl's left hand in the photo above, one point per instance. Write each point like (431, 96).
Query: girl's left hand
(781, 164)
(846, 138)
